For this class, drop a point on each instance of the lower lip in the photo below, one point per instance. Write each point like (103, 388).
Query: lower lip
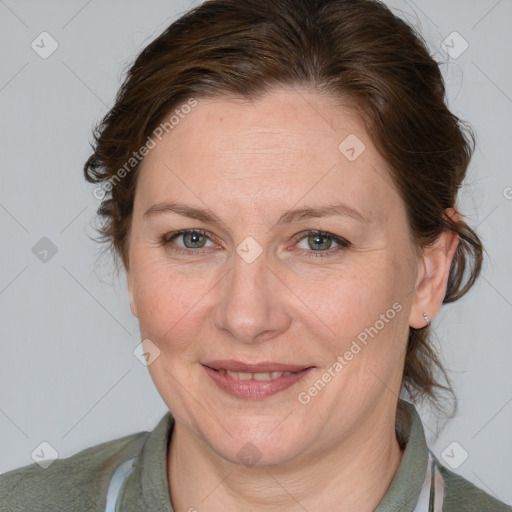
(254, 389)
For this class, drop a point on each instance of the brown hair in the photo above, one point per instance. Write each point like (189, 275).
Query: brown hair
(355, 50)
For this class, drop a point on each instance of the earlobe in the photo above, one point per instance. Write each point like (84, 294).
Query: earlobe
(433, 277)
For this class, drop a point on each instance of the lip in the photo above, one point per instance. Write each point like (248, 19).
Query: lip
(254, 389)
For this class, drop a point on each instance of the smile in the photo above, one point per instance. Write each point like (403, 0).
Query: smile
(235, 379)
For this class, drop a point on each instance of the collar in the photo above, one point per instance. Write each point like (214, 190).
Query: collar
(406, 486)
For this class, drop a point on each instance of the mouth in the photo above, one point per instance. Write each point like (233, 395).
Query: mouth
(254, 381)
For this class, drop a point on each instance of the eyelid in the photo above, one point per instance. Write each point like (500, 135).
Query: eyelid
(176, 234)
(310, 232)
(343, 243)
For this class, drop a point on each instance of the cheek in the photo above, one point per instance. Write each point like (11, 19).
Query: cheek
(168, 301)
(366, 318)
(353, 296)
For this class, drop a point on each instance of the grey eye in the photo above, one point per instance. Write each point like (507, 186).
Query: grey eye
(193, 240)
(318, 241)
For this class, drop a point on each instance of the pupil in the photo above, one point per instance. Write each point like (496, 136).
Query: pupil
(193, 238)
(318, 241)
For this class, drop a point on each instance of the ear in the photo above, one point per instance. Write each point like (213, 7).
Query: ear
(133, 306)
(434, 270)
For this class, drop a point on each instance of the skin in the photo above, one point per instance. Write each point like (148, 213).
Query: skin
(250, 162)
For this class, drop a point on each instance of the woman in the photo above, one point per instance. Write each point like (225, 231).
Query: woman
(279, 180)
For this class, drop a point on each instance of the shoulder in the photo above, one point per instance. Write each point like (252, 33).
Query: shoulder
(79, 482)
(460, 494)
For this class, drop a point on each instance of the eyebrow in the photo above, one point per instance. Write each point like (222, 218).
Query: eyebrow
(207, 216)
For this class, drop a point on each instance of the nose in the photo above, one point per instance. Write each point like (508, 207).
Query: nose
(253, 302)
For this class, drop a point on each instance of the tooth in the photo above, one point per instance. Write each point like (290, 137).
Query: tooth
(255, 376)
(261, 376)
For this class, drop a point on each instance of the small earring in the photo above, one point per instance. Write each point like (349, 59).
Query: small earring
(425, 316)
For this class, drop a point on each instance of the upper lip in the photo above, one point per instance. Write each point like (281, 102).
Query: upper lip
(263, 367)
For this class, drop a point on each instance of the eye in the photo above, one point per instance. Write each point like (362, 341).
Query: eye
(192, 239)
(321, 242)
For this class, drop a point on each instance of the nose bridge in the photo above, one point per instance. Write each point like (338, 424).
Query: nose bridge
(249, 305)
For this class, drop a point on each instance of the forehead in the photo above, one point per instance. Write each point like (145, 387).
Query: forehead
(281, 120)
(287, 145)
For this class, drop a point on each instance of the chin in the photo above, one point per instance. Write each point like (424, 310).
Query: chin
(255, 442)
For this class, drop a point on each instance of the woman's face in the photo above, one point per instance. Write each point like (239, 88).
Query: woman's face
(254, 288)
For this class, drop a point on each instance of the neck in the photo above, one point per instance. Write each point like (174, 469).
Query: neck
(353, 474)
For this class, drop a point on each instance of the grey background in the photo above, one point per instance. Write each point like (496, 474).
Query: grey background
(68, 375)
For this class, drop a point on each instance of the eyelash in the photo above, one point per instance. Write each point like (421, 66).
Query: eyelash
(342, 243)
